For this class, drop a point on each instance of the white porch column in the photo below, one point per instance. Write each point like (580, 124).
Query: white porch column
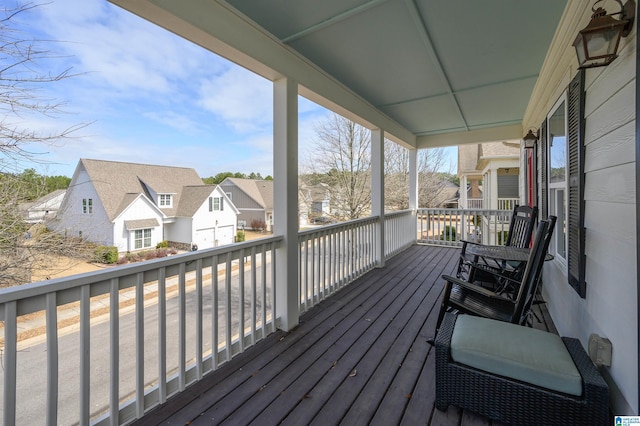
(414, 199)
(377, 190)
(493, 181)
(285, 202)
(463, 201)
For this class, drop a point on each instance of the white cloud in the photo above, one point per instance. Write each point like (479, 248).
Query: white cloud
(242, 99)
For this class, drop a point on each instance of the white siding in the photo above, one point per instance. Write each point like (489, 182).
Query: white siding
(180, 231)
(610, 306)
(141, 208)
(208, 226)
(94, 226)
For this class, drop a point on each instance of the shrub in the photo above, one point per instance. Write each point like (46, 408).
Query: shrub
(161, 252)
(258, 225)
(106, 254)
(162, 244)
(122, 260)
(240, 237)
(448, 233)
(173, 251)
(502, 237)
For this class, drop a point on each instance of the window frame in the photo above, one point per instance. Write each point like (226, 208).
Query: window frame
(145, 237)
(559, 187)
(165, 200)
(573, 196)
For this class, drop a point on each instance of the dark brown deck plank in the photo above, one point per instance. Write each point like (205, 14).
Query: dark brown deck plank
(236, 407)
(228, 378)
(376, 327)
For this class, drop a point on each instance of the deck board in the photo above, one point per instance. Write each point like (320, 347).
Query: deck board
(359, 357)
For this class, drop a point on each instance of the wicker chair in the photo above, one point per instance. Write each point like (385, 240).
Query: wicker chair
(514, 401)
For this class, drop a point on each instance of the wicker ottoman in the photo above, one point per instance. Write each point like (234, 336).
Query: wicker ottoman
(517, 375)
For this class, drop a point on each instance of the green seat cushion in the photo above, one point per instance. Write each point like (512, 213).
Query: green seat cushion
(517, 352)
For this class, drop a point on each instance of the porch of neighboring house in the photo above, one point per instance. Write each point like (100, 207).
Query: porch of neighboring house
(359, 357)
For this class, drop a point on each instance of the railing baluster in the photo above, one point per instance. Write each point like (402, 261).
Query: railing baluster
(253, 296)
(10, 361)
(227, 286)
(139, 344)
(85, 352)
(162, 336)
(241, 301)
(182, 326)
(274, 260)
(265, 301)
(199, 332)
(52, 358)
(114, 359)
(214, 312)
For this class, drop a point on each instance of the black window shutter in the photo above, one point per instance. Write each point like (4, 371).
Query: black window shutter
(543, 202)
(221, 203)
(576, 257)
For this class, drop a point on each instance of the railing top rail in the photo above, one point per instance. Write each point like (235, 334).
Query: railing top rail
(25, 291)
(338, 226)
(398, 212)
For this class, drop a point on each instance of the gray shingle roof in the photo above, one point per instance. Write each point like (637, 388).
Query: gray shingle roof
(116, 182)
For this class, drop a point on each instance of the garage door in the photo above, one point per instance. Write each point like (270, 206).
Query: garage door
(204, 238)
(225, 235)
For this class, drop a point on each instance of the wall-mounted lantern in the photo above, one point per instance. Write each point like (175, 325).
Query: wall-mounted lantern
(597, 43)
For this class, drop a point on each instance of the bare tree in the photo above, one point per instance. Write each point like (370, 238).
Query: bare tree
(342, 156)
(432, 184)
(22, 247)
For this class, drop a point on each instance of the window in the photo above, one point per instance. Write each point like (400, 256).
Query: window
(561, 176)
(164, 200)
(87, 205)
(229, 195)
(142, 238)
(557, 141)
(216, 204)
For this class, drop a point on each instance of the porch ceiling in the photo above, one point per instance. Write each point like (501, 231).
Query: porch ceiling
(419, 69)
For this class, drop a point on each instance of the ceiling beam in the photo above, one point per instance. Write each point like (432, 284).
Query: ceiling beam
(492, 134)
(332, 20)
(431, 51)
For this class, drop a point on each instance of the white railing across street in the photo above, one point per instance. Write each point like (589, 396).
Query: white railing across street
(155, 327)
(449, 226)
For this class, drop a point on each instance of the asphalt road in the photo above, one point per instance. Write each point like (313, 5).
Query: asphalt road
(32, 374)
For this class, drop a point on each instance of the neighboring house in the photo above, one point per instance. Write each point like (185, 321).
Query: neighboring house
(448, 195)
(44, 208)
(253, 199)
(497, 165)
(314, 202)
(135, 206)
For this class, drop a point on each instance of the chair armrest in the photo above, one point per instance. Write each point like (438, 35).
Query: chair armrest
(472, 287)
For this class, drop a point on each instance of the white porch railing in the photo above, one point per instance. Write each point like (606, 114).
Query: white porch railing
(474, 203)
(332, 256)
(115, 343)
(399, 228)
(449, 226)
(507, 203)
(154, 327)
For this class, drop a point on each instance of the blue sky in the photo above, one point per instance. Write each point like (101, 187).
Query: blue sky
(149, 96)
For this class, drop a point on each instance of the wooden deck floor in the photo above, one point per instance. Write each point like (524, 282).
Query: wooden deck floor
(360, 357)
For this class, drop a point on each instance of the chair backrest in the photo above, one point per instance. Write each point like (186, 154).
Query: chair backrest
(533, 270)
(521, 226)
